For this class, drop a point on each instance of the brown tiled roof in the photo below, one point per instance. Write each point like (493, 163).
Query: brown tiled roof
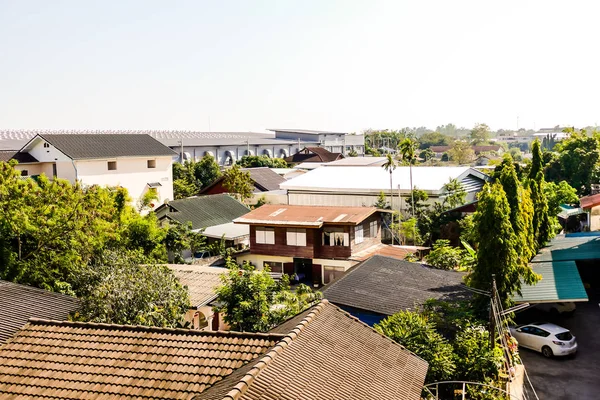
(590, 201)
(18, 303)
(313, 154)
(201, 282)
(329, 355)
(387, 250)
(309, 216)
(71, 360)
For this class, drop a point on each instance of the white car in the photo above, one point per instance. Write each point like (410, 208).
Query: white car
(549, 339)
(557, 308)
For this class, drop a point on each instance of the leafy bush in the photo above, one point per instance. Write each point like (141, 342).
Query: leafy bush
(415, 332)
(444, 256)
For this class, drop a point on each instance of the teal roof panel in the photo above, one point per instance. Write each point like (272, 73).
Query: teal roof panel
(560, 282)
(571, 247)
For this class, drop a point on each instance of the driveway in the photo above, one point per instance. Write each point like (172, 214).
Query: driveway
(574, 377)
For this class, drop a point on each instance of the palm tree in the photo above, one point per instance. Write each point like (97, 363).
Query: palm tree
(390, 166)
(408, 148)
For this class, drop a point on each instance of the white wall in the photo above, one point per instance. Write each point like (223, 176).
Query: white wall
(131, 173)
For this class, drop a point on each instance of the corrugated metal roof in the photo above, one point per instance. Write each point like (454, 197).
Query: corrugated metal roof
(560, 282)
(203, 211)
(309, 216)
(374, 180)
(571, 247)
(590, 201)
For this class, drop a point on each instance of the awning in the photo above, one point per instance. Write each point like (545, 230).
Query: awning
(560, 282)
(567, 211)
(154, 184)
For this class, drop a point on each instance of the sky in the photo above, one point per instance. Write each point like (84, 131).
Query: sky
(340, 65)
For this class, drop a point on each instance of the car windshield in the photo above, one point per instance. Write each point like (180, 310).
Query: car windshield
(564, 336)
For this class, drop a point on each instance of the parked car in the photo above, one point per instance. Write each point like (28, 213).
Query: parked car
(549, 339)
(558, 308)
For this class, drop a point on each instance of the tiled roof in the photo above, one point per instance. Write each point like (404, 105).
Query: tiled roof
(310, 216)
(328, 355)
(590, 201)
(18, 303)
(201, 282)
(313, 154)
(71, 360)
(203, 211)
(265, 179)
(81, 146)
(381, 249)
(387, 285)
(7, 155)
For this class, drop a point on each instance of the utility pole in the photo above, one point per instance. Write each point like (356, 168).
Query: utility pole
(492, 315)
(181, 143)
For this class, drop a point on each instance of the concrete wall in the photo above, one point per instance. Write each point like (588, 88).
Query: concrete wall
(131, 173)
(594, 218)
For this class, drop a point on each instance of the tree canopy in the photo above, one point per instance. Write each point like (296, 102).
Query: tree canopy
(262, 161)
(189, 178)
(252, 301)
(238, 182)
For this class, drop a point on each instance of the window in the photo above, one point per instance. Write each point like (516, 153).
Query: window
(151, 163)
(330, 274)
(336, 237)
(296, 237)
(358, 234)
(112, 165)
(265, 235)
(275, 267)
(24, 172)
(373, 229)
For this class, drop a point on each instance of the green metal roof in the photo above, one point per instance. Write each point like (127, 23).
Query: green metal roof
(560, 282)
(571, 247)
(203, 211)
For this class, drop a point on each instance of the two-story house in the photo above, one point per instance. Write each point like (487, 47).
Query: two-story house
(313, 243)
(138, 163)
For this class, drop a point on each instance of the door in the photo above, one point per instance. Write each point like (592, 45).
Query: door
(317, 276)
(288, 268)
(524, 337)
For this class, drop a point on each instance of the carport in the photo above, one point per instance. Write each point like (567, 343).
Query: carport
(568, 266)
(560, 282)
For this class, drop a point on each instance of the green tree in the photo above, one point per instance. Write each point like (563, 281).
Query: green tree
(480, 134)
(521, 209)
(557, 194)
(461, 152)
(407, 231)
(576, 162)
(434, 139)
(455, 194)
(542, 228)
(206, 171)
(408, 148)
(381, 202)
(444, 256)
(238, 183)
(252, 301)
(427, 154)
(125, 288)
(49, 229)
(262, 161)
(418, 201)
(474, 359)
(497, 250)
(415, 332)
(390, 166)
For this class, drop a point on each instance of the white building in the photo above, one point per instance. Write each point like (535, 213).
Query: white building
(225, 147)
(138, 163)
(361, 186)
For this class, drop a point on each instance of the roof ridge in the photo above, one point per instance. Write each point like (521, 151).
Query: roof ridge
(141, 328)
(245, 382)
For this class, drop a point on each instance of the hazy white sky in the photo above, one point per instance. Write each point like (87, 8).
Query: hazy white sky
(315, 64)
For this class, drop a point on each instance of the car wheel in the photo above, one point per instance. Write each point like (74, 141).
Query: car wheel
(547, 351)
